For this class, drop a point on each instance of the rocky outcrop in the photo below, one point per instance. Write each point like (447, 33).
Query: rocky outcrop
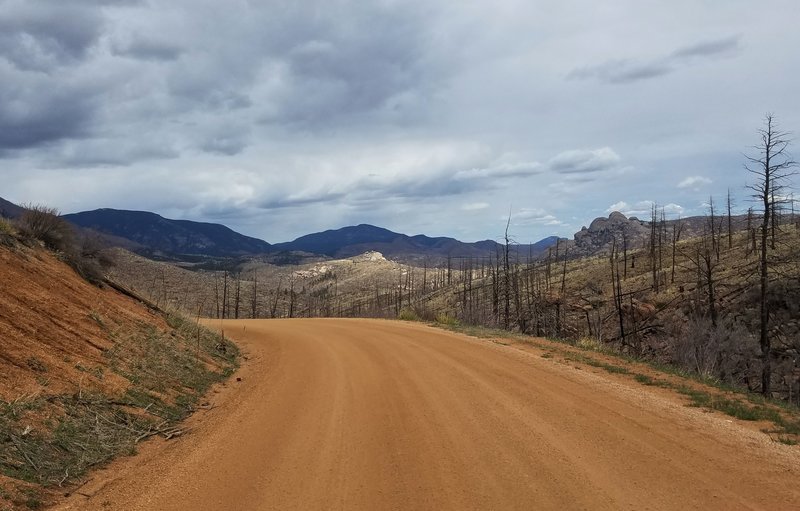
(600, 235)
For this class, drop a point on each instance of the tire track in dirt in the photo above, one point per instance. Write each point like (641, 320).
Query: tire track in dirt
(369, 414)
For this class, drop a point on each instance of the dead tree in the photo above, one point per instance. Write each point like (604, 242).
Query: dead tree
(274, 310)
(624, 254)
(254, 297)
(772, 167)
(730, 221)
(653, 247)
(712, 224)
(662, 235)
(617, 289)
(705, 261)
(225, 294)
(291, 297)
(216, 293)
(506, 278)
(677, 227)
(237, 296)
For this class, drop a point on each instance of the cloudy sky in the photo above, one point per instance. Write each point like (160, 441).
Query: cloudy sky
(280, 118)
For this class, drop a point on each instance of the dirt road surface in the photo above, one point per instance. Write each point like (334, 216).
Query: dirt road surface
(374, 415)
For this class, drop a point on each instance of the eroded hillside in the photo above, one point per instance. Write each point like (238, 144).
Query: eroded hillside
(86, 373)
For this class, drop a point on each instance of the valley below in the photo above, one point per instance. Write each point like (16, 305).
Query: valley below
(616, 371)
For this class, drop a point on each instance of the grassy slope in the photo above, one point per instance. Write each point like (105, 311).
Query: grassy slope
(86, 373)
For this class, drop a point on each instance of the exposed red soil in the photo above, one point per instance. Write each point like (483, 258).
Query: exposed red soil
(51, 337)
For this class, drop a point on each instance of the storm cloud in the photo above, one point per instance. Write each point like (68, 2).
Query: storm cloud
(282, 118)
(631, 70)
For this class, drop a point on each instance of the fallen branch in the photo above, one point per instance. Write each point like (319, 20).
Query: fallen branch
(168, 433)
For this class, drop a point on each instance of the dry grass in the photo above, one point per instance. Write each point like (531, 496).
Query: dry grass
(46, 225)
(53, 440)
(6, 227)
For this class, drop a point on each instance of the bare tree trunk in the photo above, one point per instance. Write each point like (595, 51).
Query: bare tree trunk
(730, 222)
(506, 279)
(772, 167)
(773, 216)
(216, 293)
(653, 259)
(424, 276)
(713, 227)
(237, 296)
(763, 334)
(291, 297)
(661, 237)
(677, 227)
(225, 295)
(712, 304)
(616, 288)
(254, 300)
(624, 254)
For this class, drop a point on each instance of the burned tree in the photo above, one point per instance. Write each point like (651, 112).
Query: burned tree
(771, 167)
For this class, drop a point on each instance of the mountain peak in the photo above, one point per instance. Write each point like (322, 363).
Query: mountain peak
(9, 209)
(175, 237)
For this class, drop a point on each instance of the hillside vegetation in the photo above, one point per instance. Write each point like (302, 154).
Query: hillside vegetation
(85, 372)
(670, 292)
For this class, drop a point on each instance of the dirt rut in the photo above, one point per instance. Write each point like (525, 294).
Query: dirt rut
(363, 414)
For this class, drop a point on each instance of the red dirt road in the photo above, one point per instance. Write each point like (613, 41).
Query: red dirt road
(373, 415)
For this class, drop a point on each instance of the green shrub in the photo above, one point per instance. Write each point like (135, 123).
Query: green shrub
(6, 227)
(408, 315)
(6, 233)
(588, 343)
(446, 319)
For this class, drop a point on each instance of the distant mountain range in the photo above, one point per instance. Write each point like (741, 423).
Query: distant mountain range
(9, 209)
(152, 235)
(354, 240)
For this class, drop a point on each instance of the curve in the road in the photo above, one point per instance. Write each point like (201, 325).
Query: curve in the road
(372, 415)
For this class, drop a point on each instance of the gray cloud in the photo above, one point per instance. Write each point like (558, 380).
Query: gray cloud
(437, 178)
(41, 35)
(584, 161)
(53, 120)
(109, 153)
(500, 171)
(301, 199)
(622, 71)
(331, 72)
(316, 114)
(632, 70)
(33, 113)
(713, 48)
(447, 181)
(201, 64)
(227, 139)
(145, 49)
